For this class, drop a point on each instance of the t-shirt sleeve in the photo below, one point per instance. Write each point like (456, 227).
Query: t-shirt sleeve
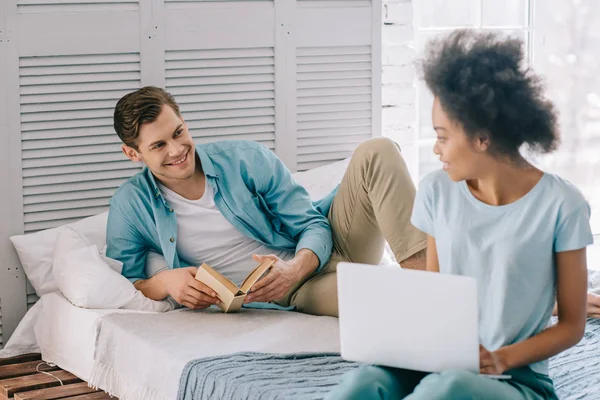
(422, 214)
(573, 231)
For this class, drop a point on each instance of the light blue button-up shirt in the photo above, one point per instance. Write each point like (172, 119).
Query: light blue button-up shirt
(253, 190)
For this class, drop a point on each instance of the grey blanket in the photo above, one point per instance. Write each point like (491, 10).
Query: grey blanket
(576, 374)
(263, 376)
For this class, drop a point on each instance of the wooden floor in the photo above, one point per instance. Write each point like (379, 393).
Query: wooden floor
(19, 380)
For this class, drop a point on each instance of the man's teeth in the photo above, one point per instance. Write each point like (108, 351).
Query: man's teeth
(179, 161)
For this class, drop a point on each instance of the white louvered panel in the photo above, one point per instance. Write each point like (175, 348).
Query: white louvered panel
(334, 102)
(71, 156)
(333, 3)
(31, 300)
(225, 94)
(190, 4)
(56, 6)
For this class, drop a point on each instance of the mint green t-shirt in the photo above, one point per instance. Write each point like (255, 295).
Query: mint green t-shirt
(509, 249)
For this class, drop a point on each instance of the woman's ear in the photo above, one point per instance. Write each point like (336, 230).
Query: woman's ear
(131, 153)
(483, 142)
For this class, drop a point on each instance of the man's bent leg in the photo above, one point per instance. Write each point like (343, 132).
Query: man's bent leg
(318, 294)
(373, 204)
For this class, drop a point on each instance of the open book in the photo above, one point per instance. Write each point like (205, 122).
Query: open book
(231, 296)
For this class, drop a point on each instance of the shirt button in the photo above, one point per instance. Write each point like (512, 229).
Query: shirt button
(170, 210)
(172, 240)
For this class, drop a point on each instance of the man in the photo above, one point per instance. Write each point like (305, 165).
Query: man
(233, 204)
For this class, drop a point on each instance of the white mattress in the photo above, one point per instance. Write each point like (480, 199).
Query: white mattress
(156, 346)
(66, 335)
(141, 356)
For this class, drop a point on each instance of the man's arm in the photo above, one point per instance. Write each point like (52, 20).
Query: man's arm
(291, 204)
(180, 284)
(125, 243)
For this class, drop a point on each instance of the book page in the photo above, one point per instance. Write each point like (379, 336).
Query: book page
(225, 289)
(232, 287)
(255, 275)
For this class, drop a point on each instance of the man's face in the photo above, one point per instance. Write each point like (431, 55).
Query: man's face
(166, 147)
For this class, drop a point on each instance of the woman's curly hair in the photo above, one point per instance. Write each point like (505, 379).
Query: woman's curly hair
(482, 84)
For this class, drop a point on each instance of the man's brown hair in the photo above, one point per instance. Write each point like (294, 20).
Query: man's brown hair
(140, 107)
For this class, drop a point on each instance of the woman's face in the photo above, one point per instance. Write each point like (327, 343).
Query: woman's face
(463, 158)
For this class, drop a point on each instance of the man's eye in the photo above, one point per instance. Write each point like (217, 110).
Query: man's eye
(179, 132)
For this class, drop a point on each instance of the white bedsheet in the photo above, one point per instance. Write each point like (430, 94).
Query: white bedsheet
(141, 357)
(66, 335)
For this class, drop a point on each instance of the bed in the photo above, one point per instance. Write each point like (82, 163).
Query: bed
(254, 354)
(142, 355)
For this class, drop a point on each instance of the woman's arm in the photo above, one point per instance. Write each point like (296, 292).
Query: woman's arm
(432, 258)
(571, 292)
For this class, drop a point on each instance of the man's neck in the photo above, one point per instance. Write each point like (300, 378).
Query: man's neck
(191, 188)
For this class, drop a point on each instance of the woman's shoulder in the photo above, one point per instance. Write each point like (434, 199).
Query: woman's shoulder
(563, 192)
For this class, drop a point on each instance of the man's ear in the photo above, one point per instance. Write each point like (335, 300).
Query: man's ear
(131, 153)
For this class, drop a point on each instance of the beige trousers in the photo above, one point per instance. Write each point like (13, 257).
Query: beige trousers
(373, 204)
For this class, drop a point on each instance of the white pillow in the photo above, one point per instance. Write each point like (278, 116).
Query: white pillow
(35, 250)
(320, 181)
(89, 280)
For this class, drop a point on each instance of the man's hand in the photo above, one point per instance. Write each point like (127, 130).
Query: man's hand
(282, 276)
(593, 305)
(490, 362)
(187, 291)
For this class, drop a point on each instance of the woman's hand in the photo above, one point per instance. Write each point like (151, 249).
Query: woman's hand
(490, 363)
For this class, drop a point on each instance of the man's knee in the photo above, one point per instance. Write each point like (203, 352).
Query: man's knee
(317, 296)
(379, 146)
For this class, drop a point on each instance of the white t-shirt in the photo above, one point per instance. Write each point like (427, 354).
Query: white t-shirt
(205, 236)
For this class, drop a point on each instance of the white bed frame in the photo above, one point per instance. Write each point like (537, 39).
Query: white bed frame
(308, 86)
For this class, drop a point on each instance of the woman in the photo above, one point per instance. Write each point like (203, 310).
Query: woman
(490, 214)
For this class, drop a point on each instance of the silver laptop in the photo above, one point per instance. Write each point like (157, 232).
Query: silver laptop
(409, 319)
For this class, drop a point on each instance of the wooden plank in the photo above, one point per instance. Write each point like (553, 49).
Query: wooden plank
(20, 359)
(57, 392)
(25, 368)
(8, 387)
(93, 396)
